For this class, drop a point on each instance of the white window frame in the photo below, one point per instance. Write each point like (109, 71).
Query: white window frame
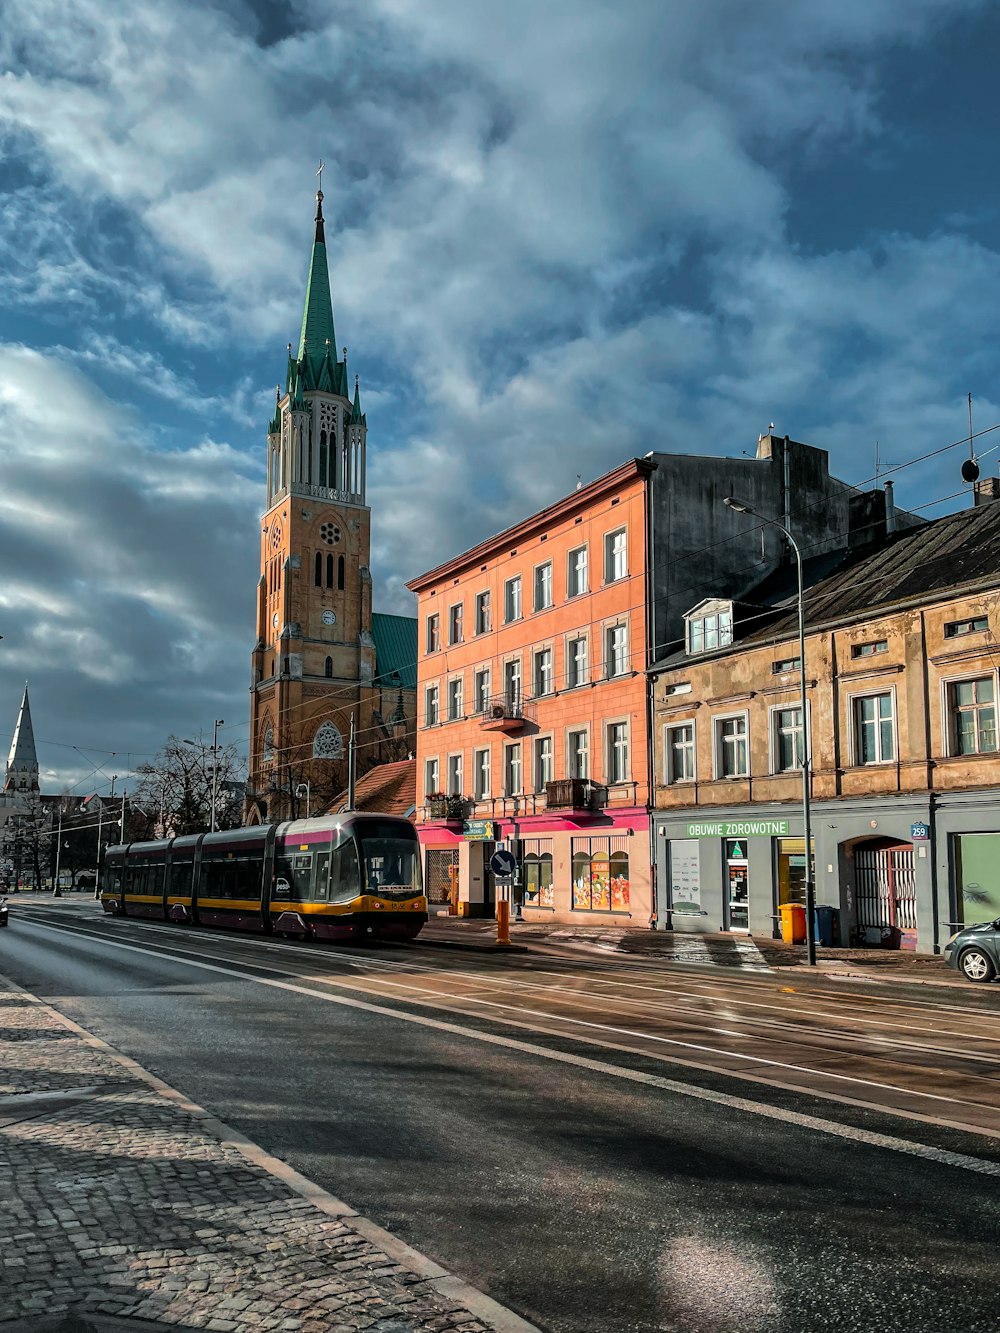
(670, 778)
(854, 729)
(483, 622)
(454, 768)
(452, 698)
(481, 697)
(536, 676)
(432, 788)
(610, 562)
(433, 619)
(609, 745)
(508, 750)
(719, 611)
(508, 694)
(514, 583)
(456, 623)
(792, 705)
(717, 746)
(571, 571)
(948, 731)
(538, 780)
(432, 692)
(572, 756)
(481, 791)
(609, 657)
(577, 684)
(537, 605)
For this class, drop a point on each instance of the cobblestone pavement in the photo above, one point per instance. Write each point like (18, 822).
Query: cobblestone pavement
(121, 1198)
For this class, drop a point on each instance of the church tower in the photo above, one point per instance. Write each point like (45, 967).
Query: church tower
(314, 658)
(21, 777)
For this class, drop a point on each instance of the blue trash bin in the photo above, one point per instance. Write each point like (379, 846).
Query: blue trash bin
(826, 926)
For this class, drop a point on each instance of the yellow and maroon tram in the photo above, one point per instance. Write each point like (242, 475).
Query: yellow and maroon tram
(342, 877)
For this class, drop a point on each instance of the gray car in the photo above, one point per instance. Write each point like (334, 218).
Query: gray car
(975, 951)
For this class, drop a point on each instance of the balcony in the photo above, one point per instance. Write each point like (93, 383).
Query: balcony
(575, 794)
(507, 713)
(451, 809)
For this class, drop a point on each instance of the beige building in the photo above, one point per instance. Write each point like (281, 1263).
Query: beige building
(322, 658)
(901, 666)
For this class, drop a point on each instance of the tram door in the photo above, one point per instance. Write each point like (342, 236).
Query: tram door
(323, 875)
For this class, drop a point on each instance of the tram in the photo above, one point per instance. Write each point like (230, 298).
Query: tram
(341, 877)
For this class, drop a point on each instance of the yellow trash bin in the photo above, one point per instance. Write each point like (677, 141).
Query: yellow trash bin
(793, 923)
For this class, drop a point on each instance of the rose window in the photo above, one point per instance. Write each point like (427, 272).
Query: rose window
(329, 533)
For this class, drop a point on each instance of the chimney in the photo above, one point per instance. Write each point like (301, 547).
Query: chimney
(985, 491)
(890, 510)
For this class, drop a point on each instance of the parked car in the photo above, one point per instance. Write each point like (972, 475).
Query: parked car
(4, 912)
(975, 951)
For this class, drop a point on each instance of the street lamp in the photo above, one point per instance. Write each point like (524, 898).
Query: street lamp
(215, 765)
(741, 507)
(302, 789)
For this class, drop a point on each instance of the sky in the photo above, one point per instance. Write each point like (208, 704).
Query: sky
(559, 235)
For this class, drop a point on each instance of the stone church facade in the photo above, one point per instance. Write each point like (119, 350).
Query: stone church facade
(322, 658)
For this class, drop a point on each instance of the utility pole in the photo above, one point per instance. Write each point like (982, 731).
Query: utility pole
(351, 767)
(219, 722)
(56, 891)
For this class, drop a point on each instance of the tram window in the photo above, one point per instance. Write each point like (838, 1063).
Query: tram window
(154, 879)
(392, 863)
(296, 871)
(344, 880)
(180, 879)
(247, 878)
(213, 879)
(137, 880)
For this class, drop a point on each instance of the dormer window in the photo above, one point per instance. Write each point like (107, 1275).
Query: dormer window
(709, 626)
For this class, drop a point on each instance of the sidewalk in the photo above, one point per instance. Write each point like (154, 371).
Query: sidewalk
(125, 1202)
(735, 952)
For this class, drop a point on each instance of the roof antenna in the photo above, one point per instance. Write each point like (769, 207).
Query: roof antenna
(970, 468)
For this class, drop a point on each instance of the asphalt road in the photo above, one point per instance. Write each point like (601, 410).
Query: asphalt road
(599, 1144)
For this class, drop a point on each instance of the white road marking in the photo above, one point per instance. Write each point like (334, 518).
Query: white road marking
(830, 1127)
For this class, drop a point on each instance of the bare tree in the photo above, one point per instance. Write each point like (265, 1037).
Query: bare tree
(174, 792)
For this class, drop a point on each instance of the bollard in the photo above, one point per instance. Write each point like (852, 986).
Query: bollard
(503, 921)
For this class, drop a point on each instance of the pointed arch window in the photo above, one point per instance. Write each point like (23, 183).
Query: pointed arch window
(329, 571)
(328, 670)
(323, 455)
(340, 572)
(328, 743)
(267, 753)
(319, 569)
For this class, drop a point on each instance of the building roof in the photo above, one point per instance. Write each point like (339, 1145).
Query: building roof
(395, 650)
(389, 789)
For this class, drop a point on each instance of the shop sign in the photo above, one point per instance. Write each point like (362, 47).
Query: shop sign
(745, 828)
(479, 830)
(919, 832)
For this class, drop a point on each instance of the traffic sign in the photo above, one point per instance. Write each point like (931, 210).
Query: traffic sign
(503, 862)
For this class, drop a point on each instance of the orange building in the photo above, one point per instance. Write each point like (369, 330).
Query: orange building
(531, 704)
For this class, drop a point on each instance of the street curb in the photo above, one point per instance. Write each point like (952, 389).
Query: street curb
(428, 1270)
(471, 947)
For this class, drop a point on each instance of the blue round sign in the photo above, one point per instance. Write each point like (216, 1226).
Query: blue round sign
(503, 862)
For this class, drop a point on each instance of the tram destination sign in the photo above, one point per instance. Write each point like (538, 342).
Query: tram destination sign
(740, 828)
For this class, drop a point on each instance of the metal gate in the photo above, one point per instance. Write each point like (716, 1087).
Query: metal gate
(885, 884)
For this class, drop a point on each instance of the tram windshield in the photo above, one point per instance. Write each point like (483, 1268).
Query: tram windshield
(390, 864)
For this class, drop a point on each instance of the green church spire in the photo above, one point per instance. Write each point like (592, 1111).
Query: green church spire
(317, 317)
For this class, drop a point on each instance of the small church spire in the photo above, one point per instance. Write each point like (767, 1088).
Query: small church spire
(22, 762)
(317, 315)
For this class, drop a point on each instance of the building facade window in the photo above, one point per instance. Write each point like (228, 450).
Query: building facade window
(713, 630)
(576, 572)
(318, 579)
(433, 633)
(483, 612)
(328, 668)
(537, 871)
(954, 629)
(543, 586)
(512, 599)
(972, 716)
(678, 750)
(731, 749)
(870, 649)
(578, 754)
(787, 739)
(576, 663)
(543, 762)
(432, 778)
(481, 690)
(512, 682)
(615, 556)
(455, 699)
(455, 623)
(512, 770)
(543, 671)
(784, 665)
(616, 650)
(617, 752)
(600, 874)
(481, 774)
(874, 732)
(432, 706)
(341, 568)
(454, 775)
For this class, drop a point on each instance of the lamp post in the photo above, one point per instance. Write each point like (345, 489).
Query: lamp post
(219, 722)
(302, 789)
(741, 507)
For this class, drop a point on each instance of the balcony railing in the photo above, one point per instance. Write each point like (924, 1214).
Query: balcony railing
(505, 712)
(450, 808)
(575, 794)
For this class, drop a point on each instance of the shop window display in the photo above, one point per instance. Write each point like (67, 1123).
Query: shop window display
(600, 875)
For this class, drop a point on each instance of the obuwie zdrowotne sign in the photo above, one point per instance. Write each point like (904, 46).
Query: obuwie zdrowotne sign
(739, 828)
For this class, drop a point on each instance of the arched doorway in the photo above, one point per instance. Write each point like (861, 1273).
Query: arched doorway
(885, 893)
